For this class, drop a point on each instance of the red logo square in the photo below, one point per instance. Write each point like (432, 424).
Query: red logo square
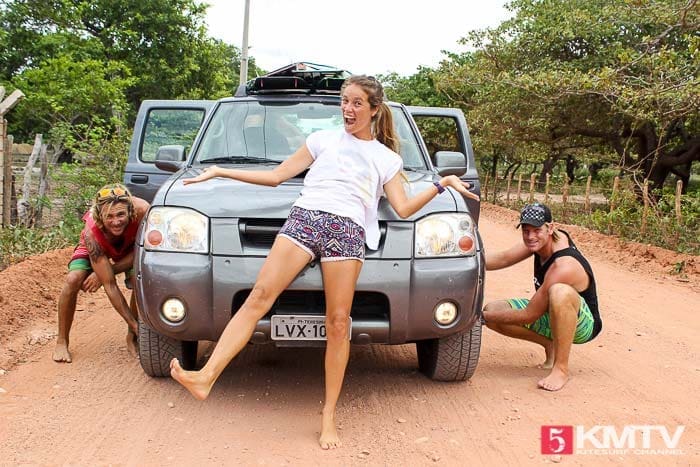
(557, 439)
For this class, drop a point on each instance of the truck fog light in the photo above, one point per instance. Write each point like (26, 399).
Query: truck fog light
(173, 310)
(445, 313)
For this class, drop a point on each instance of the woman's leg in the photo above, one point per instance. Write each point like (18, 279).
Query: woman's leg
(281, 267)
(339, 280)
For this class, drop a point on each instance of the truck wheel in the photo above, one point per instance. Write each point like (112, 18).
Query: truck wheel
(452, 358)
(156, 351)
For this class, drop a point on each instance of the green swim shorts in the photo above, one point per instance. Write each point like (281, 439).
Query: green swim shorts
(83, 264)
(584, 324)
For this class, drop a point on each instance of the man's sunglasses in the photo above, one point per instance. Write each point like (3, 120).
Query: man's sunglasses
(115, 193)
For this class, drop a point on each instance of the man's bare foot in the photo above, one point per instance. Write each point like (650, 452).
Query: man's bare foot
(555, 380)
(132, 344)
(61, 353)
(193, 381)
(548, 357)
(329, 438)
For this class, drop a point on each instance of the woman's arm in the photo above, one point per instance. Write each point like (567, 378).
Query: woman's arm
(405, 206)
(294, 165)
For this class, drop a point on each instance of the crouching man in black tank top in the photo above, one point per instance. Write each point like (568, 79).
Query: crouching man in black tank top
(564, 308)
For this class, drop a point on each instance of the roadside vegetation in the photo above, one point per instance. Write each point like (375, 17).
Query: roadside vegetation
(564, 88)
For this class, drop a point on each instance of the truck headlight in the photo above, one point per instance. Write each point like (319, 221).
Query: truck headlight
(445, 235)
(176, 229)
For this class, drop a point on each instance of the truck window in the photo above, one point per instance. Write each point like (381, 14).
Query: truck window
(274, 132)
(169, 126)
(408, 146)
(439, 134)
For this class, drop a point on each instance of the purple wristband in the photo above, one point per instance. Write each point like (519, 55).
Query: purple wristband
(439, 187)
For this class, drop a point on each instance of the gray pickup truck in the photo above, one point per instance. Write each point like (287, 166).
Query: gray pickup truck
(201, 246)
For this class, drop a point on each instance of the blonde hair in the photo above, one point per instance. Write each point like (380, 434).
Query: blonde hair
(109, 195)
(382, 122)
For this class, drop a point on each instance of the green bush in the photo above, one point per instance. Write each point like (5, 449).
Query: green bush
(17, 242)
(662, 226)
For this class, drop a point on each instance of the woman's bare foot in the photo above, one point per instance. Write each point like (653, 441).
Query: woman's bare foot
(61, 353)
(132, 344)
(329, 438)
(193, 381)
(548, 357)
(555, 380)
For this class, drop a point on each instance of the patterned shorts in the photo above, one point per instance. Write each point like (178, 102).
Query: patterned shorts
(324, 235)
(584, 324)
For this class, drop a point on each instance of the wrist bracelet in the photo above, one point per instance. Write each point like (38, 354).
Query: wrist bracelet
(439, 187)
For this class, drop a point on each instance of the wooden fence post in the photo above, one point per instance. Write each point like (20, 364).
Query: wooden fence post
(25, 216)
(6, 157)
(532, 188)
(520, 183)
(546, 189)
(613, 196)
(485, 191)
(565, 195)
(6, 153)
(495, 188)
(587, 200)
(43, 181)
(510, 178)
(679, 191)
(645, 195)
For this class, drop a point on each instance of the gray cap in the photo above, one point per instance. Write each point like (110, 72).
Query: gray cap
(535, 214)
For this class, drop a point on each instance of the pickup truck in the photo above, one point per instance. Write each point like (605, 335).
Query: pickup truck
(201, 246)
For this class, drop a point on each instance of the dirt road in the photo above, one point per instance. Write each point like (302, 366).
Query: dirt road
(642, 370)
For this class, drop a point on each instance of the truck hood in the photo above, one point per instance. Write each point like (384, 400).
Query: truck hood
(224, 198)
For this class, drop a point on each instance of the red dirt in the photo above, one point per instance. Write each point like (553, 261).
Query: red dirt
(102, 409)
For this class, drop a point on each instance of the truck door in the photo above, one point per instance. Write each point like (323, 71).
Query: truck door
(445, 129)
(160, 123)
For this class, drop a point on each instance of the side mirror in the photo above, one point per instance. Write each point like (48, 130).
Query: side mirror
(450, 163)
(170, 158)
(171, 152)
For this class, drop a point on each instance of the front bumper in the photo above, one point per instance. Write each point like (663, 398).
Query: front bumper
(408, 290)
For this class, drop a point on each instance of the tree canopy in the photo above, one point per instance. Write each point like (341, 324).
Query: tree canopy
(590, 79)
(593, 81)
(84, 60)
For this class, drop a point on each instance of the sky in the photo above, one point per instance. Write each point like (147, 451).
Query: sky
(361, 36)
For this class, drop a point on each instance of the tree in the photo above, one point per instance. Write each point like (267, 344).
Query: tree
(565, 76)
(163, 44)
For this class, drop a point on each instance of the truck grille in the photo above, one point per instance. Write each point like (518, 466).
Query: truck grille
(259, 232)
(365, 305)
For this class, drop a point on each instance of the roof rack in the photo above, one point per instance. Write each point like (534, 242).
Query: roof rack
(299, 78)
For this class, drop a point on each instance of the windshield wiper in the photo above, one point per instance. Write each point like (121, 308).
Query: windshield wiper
(239, 160)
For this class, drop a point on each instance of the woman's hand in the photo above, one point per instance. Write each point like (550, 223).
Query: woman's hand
(459, 185)
(209, 172)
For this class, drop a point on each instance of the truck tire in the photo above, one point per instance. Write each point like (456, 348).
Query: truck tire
(451, 358)
(156, 352)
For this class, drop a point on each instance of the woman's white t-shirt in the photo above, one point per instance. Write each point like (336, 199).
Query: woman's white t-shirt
(347, 178)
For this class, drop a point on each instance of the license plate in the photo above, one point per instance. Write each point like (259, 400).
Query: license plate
(300, 328)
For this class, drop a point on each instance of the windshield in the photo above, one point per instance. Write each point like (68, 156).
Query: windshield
(250, 132)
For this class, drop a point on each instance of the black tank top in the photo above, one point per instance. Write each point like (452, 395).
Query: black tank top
(590, 294)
